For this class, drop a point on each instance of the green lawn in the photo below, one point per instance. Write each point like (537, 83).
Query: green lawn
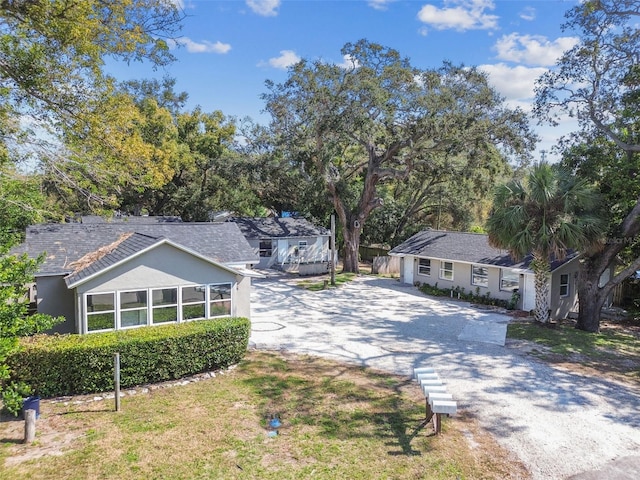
(338, 422)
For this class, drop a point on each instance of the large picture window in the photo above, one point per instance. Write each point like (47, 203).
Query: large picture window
(446, 270)
(101, 311)
(424, 266)
(480, 276)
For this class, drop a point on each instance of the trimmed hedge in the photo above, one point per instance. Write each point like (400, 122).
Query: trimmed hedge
(57, 365)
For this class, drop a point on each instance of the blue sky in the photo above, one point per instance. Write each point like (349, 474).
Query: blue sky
(229, 48)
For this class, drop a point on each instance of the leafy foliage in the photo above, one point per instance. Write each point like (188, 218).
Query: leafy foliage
(549, 214)
(16, 272)
(598, 82)
(382, 121)
(475, 297)
(74, 364)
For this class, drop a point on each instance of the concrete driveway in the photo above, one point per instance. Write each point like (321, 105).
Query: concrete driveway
(558, 423)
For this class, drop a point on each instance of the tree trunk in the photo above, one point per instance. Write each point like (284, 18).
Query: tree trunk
(541, 283)
(351, 262)
(591, 299)
(591, 296)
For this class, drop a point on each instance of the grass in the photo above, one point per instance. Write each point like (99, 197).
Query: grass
(615, 351)
(316, 284)
(338, 421)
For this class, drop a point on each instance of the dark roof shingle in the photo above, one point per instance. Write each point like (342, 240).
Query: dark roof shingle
(270, 227)
(66, 243)
(464, 247)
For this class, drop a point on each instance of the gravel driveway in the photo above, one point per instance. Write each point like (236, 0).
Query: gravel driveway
(560, 424)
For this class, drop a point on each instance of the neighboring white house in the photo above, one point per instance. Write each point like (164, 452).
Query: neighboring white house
(112, 276)
(291, 244)
(466, 260)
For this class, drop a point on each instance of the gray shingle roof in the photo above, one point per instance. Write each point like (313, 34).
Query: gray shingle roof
(121, 249)
(131, 219)
(66, 243)
(270, 227)
(459, 246)
(463, 247)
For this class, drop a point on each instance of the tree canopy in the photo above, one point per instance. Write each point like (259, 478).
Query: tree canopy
(378, 120)
(548, 215)
(598, 82)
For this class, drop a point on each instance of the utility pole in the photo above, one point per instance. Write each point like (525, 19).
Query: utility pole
(332, 246)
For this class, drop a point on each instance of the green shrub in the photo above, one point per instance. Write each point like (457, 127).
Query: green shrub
(57, 365)
(459, 293)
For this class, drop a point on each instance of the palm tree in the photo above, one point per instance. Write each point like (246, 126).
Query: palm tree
(548, 214)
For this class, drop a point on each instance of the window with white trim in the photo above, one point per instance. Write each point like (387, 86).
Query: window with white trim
(219, 300)
(153, 306)
(133, 308)
(424, 266)
(480, 276)
(509, 280)
(164, 305)
(564, 285)
(193, 302)
(446, 270)
(101, 311)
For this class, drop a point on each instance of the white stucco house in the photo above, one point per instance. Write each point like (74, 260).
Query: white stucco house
(118, 275)
(466, 260)
(291, 244)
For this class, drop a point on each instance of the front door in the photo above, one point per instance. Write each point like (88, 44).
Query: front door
(408, 270)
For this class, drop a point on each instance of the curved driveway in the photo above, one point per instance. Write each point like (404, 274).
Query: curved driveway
(558, 423)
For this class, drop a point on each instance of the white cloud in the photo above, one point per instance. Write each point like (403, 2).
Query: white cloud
(379, 4)
(460, 15)
(528, 14)
(200, 47)
(532, 49)
(516, 84)
(348, 62)
(266, 8)
(284, 61)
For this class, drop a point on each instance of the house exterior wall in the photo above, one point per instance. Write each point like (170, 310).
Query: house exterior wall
(241, 303)
(290, 251)
(164, 266)
(462, 277)
(55, 299)
(562, 306)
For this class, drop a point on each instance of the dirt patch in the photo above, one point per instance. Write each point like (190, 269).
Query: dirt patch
(622, 366)
(54, 437)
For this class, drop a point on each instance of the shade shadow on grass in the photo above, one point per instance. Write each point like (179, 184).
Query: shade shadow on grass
(336, 406)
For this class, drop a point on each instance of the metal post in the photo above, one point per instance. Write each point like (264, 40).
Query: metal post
(116, 379)
(333, 250)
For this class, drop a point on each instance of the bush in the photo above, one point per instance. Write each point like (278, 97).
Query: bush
(56, 365)
(459, 293)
